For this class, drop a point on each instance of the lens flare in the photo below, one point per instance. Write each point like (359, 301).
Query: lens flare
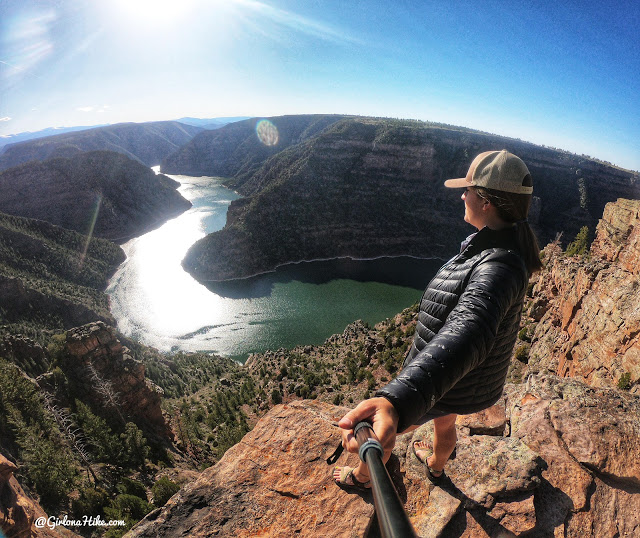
(267, 133)
(92, 225)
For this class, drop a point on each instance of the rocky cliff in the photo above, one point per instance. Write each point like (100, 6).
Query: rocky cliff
(537, 464)
(102, 193)
(586, 307)
(364, 187)
(147, 143)
(105, 375)
(558, 456)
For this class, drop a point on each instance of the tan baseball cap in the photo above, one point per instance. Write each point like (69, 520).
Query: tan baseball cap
(497, 170)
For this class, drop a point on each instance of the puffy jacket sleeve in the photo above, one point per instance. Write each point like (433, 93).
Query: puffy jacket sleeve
(463, 342)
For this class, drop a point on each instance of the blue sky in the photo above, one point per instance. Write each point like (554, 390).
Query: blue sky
(563, 73)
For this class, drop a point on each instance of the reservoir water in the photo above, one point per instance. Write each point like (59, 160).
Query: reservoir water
(157, 303)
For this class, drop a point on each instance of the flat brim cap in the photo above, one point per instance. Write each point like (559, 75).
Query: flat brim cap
(496, 170)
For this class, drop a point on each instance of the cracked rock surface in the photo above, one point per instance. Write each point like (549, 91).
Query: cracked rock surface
(565, 462)
(275, 482)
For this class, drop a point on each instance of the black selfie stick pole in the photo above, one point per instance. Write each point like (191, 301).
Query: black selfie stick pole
(393, 520)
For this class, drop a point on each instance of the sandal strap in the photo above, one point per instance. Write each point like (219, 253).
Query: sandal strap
(348, 479)
(355, 481)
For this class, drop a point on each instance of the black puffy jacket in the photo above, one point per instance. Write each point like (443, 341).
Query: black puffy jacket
(466, 329)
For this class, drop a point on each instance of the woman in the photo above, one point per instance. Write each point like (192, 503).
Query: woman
(467, 323)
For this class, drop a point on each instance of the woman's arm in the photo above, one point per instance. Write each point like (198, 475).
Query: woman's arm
(463, 342)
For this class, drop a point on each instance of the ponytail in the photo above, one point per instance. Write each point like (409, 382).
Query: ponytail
(514, 208)
(529, 247)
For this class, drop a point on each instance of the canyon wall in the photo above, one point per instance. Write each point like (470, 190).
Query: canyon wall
(586, 307)
(365, 187)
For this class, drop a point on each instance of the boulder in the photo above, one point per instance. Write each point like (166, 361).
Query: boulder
(589, 439)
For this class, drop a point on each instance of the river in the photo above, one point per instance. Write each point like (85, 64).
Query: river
(159, 304)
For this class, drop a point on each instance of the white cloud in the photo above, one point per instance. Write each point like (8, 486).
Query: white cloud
(84, 109)
(6, 118)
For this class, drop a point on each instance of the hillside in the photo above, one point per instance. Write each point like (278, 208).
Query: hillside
(235, 150)
(148, 143)
(364, 187)
(124, 197)
(51, 278)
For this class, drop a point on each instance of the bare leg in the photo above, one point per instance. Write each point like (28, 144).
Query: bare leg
(444, 442)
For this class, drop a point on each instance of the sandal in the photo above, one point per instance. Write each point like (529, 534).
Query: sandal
(347, 480)
(435, 476)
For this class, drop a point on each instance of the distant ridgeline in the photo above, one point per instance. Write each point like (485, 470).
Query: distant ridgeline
(53, 278)
(148, 143)
(330, 186)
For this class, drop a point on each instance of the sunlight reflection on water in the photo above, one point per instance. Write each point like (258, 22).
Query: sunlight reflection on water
(156, 302)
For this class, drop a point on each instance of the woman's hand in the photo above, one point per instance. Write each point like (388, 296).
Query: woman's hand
(383, 417)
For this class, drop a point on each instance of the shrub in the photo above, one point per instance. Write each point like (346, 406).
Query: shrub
(624, 383)
(56, 347)
(163, 490)
(104, 444)
(129, 508)
(524, 334)
(135, 446)
(522, 353)
(129, 486)
(276, 397)
(91, 502)
(580, 244)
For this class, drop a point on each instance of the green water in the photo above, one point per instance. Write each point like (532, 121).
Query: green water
(156, 302)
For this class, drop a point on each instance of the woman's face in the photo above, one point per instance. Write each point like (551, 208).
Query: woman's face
(473, 204)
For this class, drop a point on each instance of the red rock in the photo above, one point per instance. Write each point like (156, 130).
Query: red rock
(275, 482)
(591, 325)
(491, 421)
(18, 512)
(94, 348)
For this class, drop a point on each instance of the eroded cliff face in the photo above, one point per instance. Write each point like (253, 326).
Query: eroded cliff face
(365, 187)
(588, 307)
(105, 374)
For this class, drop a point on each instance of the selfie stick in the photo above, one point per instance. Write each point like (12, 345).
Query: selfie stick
(393, 520)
